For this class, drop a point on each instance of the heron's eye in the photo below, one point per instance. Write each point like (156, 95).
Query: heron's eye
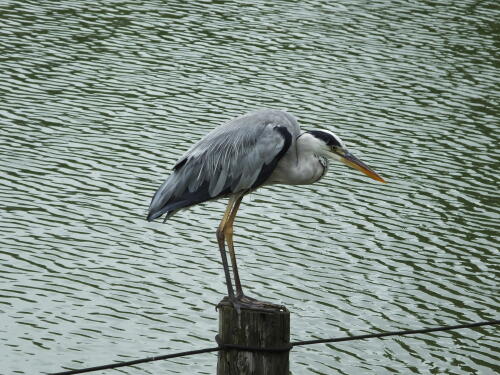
(338, 150)
(334, 142)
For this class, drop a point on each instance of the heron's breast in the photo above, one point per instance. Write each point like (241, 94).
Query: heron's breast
(302, 173)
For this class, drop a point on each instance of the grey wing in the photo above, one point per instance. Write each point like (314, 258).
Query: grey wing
(235, 157)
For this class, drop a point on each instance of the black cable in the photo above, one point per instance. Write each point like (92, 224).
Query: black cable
(396, 333)
(223, 346)
(137, 361)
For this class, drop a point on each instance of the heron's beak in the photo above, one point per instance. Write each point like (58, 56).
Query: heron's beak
(352, 161)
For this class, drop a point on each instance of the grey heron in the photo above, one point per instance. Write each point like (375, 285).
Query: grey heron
(257, 149)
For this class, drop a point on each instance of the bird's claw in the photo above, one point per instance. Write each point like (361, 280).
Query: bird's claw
(242, 301)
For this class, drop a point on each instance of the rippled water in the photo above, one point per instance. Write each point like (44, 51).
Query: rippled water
(98, 99)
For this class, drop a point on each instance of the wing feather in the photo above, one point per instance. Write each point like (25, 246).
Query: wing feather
(235, 157)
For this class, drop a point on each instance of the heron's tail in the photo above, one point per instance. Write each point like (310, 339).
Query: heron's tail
(167, 202)
(155, 215)
(173, 195)
(160, 202)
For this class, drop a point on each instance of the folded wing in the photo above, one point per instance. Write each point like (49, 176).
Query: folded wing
(235, 157)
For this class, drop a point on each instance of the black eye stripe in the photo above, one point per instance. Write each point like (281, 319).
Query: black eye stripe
(329, 139)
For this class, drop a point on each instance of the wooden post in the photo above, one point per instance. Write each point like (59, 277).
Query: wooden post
(253, 328)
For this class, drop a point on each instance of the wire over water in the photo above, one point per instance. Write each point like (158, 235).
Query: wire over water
(223, 346)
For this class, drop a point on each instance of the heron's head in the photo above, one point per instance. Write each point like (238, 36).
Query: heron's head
(328, 144)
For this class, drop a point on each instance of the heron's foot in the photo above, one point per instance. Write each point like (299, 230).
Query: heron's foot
(242, 297)
(244, 302)
(254, 304)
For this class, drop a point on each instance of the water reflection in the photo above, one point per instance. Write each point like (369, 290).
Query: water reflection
(100, 99)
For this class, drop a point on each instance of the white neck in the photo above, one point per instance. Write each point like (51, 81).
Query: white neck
(304, 163)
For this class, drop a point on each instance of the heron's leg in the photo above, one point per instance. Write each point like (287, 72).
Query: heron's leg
(228, 232)
(222, 248)
(225, 233)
